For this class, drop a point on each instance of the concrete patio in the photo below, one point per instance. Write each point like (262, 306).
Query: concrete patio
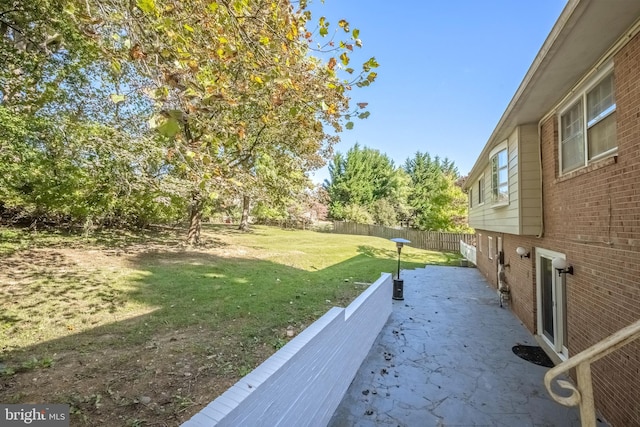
(444, 358)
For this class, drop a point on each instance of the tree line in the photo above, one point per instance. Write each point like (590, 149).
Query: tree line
(365, 186)
(128, 112)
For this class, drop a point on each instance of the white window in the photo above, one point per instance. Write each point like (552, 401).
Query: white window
(593, 110)
(480, 242)
(490, 247)
(481, 190)
(500, 177)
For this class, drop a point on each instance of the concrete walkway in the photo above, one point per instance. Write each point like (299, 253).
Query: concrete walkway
(444, 358)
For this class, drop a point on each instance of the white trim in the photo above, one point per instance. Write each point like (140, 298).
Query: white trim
(558, 347)
(500, 205)
(584, 86)
(498, 148)
(481, 189)
(490, 244)
(504, 147)
(580, 94)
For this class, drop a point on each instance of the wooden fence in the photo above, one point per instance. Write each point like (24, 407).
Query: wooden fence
(431, 240)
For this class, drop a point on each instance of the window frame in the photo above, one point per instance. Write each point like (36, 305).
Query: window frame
(582, 97)
(490, 240)
(481, 190)
(496, 184)
(470, 198)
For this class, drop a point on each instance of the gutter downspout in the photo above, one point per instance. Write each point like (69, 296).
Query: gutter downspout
(541, 233)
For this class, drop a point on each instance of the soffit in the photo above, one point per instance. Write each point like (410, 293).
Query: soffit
(583, 34)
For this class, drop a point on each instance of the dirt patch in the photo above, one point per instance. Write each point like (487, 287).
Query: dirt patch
(162, 382)
(107, 374)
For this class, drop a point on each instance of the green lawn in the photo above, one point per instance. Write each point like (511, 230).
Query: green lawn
(94, 306)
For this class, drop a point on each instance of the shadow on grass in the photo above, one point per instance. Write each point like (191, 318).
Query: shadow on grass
(206, 321)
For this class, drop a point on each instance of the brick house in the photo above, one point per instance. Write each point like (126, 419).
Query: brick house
(559, 179)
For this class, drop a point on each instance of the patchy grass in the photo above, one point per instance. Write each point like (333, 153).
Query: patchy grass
(136, 329)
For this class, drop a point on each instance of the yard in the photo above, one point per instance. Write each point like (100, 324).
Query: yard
(137, 329)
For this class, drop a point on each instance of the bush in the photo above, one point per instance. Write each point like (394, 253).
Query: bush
(357, 213)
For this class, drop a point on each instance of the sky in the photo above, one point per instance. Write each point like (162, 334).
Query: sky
(448, 69)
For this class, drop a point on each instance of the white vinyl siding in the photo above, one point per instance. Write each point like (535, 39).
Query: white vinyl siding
(523, 213)
(529, 183)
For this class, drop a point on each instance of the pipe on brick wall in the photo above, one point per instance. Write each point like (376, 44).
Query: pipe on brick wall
(541, 233)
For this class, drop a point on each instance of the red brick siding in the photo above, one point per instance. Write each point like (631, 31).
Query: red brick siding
(593, 216)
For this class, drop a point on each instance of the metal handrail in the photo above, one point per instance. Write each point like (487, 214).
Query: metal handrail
(582, 393)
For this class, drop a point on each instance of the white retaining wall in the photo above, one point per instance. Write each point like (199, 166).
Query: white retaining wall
(303, 383)
(468, 251)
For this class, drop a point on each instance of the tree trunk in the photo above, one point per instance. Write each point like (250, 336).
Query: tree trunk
(195, 218)
(244, 222)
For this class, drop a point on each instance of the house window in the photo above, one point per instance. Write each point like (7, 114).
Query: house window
(481, 191)
(594, 110)
(471, 197)
(500, 177)
(490, 247)
(480, 242)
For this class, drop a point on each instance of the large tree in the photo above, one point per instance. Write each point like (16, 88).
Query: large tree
(232, 82)
(437, 201)
(365, 180)
(70, 148)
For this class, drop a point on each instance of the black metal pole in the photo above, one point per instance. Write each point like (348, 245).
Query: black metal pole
(399, 250)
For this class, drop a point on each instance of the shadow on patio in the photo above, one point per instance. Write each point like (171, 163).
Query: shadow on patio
(444, 358)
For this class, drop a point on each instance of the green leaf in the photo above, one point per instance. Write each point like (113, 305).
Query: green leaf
(323, 31)
(116, 98)
(213, 7)
(364, 115)
(147, 6)
(116, 67)
(169, 128)
(188, 28)
(349, 125)
(355, 33)
(344, 58)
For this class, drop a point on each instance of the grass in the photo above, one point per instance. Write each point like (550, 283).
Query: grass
(122, 310)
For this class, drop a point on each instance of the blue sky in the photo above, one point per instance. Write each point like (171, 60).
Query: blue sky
(448, 70)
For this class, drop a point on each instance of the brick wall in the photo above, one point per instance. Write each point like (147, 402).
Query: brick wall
(304, 382)
(593, 216)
